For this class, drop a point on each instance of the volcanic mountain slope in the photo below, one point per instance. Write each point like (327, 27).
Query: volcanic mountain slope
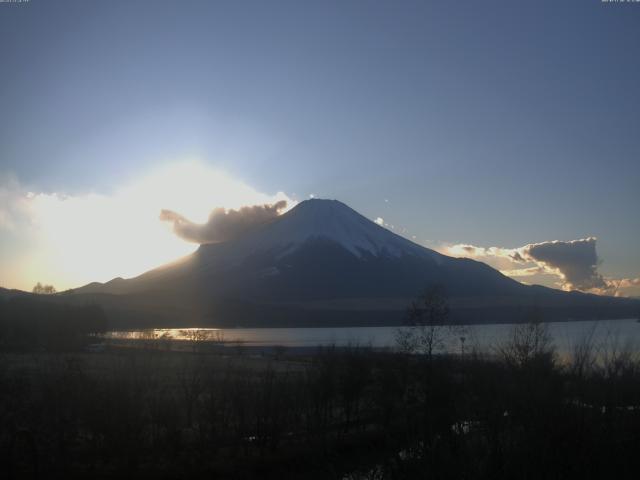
(323, 263)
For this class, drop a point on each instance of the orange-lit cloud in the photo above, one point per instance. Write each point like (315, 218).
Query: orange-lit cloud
(573, 264)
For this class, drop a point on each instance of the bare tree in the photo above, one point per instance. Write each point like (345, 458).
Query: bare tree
(527, 343)
(584, 356)
(428, 322)
(197, 338)
(190, 376)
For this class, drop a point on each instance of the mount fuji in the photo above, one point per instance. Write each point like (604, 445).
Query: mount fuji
(322, 264)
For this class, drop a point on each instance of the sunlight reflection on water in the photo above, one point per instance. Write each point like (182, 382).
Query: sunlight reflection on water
(565, 335)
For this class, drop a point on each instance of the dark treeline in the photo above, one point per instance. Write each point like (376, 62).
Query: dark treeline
(30, 323)
(349, 413)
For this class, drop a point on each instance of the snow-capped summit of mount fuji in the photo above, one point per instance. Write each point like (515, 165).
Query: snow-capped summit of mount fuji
(333, 221)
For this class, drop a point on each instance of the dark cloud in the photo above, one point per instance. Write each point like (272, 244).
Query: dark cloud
(516, 257)
(222, 225)
(577, 261)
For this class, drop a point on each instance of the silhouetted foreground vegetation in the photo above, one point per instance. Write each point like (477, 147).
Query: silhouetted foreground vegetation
(347, 413)
(28, 323)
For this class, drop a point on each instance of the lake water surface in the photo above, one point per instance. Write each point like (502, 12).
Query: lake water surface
(565, 336)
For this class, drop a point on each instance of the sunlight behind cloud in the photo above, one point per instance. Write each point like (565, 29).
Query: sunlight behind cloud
(98, 237)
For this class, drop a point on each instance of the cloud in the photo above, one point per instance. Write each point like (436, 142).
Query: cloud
(576, 261)
(573, 264)
(618, 286)
(14, 203)
(223, 225)
(523, 272)
(466, 250)
(379, 221)
(628, 282)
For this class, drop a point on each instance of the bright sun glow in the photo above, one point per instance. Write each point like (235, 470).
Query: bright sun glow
(97, 237)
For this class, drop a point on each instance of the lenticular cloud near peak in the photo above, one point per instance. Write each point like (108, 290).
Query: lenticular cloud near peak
(223, 225)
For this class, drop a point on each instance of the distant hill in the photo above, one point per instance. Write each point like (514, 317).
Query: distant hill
(6, 293)
(323, 263)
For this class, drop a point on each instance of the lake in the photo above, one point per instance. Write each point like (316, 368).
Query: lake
(565, 335)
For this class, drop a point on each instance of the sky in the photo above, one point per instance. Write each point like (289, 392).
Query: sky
(480, 129)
